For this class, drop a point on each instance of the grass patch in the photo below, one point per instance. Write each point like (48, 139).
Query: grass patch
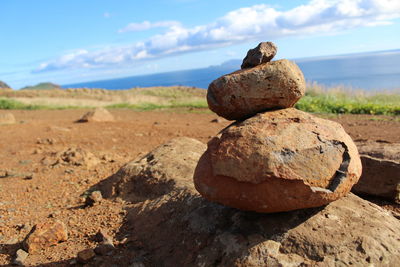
(318, 99)
(339, 101)
(164, 92)
(152, 106)
(13, 104)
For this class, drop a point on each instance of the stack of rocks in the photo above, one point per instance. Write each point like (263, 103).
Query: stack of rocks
(273, 158)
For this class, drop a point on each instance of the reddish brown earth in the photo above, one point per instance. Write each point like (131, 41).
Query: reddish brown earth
(35, 187)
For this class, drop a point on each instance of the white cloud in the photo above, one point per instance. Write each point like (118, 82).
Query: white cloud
(146, 25)
(259, 22)
(107, 15)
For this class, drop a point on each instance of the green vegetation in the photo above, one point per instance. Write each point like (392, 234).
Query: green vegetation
(317, 100)
(152, 106)
(13, 104)
(341, 102)
(167, 92)
(42, 86)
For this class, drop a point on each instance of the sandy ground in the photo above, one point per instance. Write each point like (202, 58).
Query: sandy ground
(35, 188)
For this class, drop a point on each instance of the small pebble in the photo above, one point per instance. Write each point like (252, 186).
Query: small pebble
(93, 198)
(86, 255)
(20, 257)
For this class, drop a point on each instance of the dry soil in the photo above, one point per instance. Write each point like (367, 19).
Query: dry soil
(37, 185)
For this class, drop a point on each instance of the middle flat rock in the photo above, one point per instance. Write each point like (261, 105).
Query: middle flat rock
(278, 161)
(272, 85)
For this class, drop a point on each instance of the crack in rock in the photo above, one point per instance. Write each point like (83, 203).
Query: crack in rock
(341, 173)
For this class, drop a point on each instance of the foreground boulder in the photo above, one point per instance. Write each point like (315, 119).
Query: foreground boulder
(183, 229)
(263, 53)
(381, 170)
(7, 118)
(278, 161)
(97, 115)
(180, 228)
(169, 166)
(242, 94)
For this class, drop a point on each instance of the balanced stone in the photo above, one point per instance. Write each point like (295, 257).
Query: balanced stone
(244, 93)
(278, 161)
(263, 53)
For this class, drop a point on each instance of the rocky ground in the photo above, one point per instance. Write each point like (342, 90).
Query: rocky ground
(49, 165)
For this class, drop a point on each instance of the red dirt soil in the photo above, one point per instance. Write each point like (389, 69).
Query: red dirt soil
(34, 187)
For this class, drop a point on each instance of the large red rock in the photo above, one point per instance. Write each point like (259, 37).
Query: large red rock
(272, 85)
(278, 161)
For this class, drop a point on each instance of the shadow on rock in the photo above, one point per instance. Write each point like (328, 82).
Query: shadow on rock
(185, 229)
(169, 224)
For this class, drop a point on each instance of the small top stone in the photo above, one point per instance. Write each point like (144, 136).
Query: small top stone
(263, 53)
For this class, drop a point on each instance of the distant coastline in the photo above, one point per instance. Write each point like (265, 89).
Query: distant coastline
(370, 71)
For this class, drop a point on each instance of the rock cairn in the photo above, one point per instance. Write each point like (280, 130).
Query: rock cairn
(273, 158)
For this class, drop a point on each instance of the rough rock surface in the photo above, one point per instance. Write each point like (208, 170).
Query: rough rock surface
(381, 170)
(97, 115)
(7, 118)
(45, 235)
(180, 228)
(278, 161)
(350, 231)
(150, 176)
(241, 94)
(263, 53)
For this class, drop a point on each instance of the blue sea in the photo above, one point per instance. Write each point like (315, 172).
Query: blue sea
(369, 71)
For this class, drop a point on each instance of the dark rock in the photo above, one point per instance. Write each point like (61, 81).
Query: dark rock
(86, 255)
(379, 178)
(263, 53)
(381, 170)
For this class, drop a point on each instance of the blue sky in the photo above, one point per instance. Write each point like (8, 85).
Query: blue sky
(74, 41)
